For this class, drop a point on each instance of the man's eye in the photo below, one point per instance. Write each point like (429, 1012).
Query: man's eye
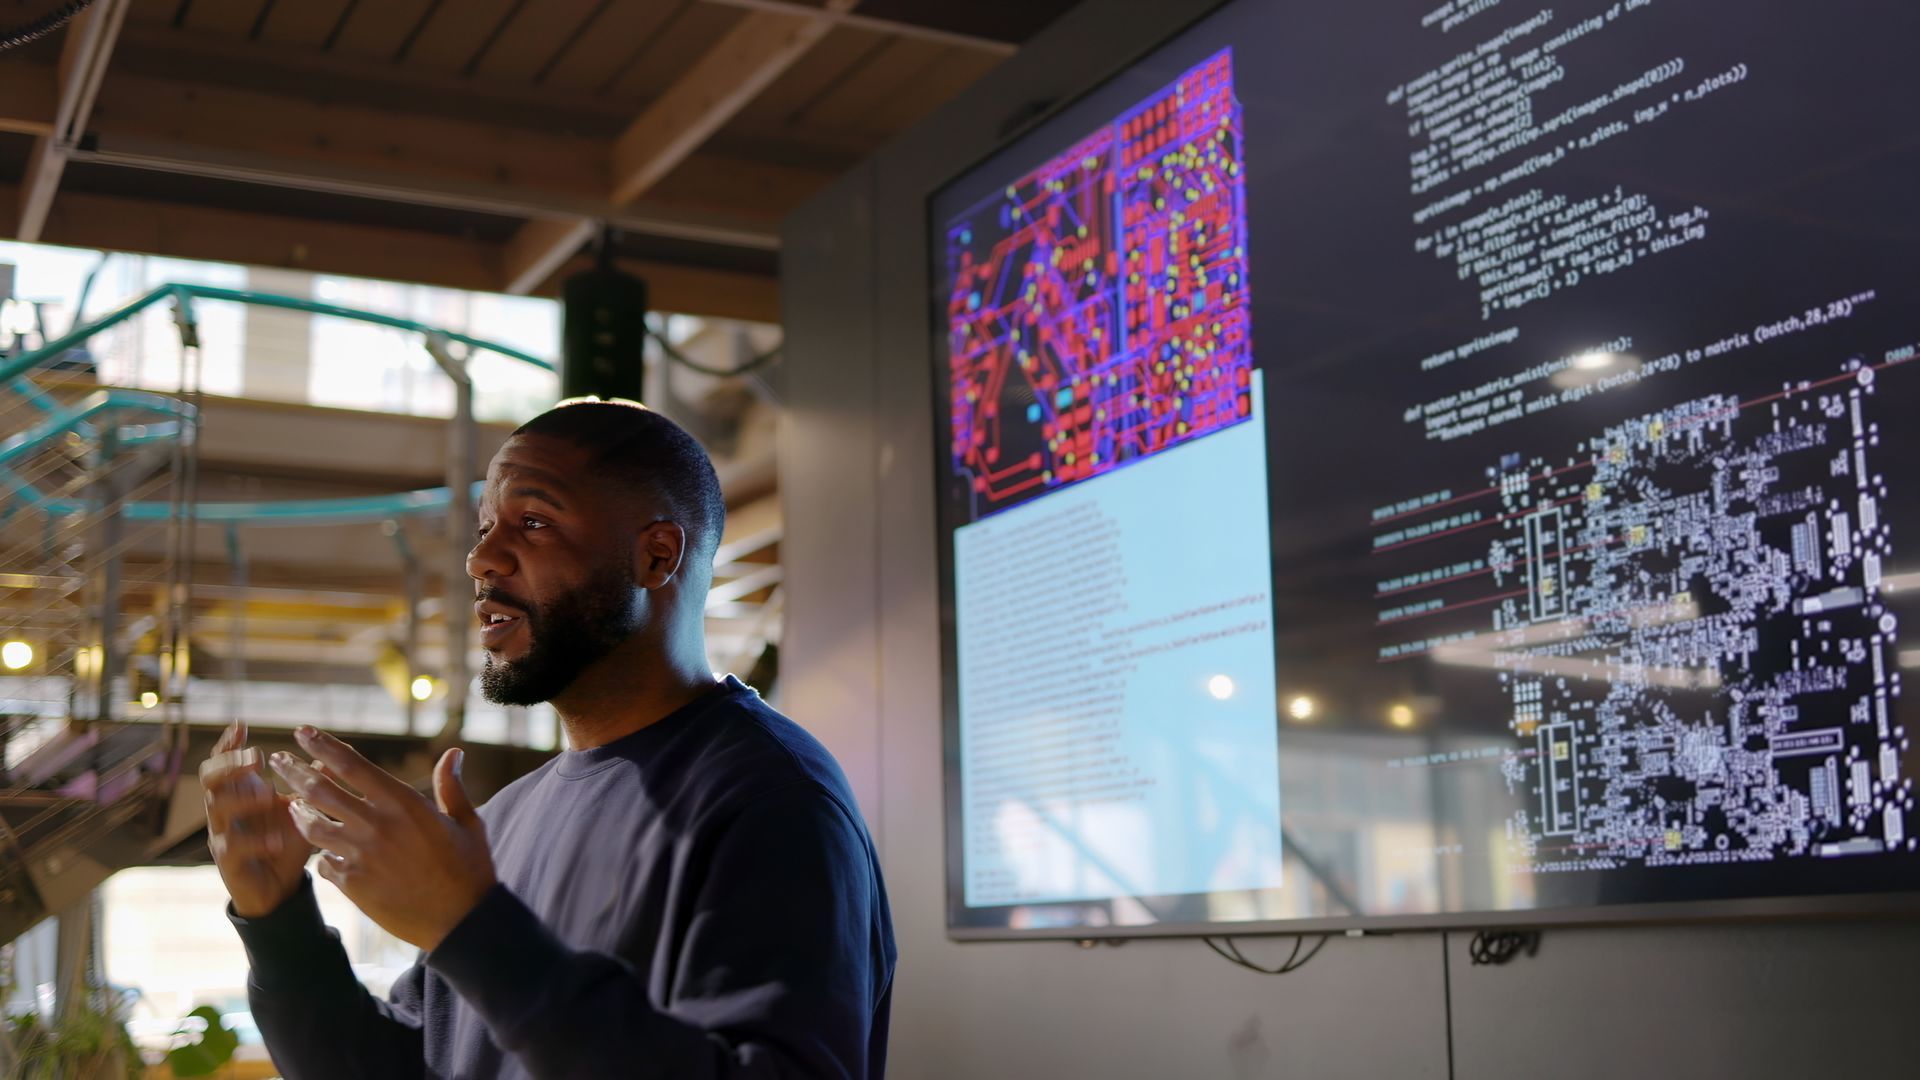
(533, 523)
(481, 532)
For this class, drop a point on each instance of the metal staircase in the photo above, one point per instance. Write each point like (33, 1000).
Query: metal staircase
(96, 617)
(97, 523)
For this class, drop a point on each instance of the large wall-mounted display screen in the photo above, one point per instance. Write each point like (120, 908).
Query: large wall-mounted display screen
(1438, 463)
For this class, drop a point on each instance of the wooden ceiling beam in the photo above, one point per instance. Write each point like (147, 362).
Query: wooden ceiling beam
(693, 290)
(170, 125)
(744, 62)
(162, 52)
(894, 27)
(118, 223)
(539, 248)
(28, 96)
(718, 86)
(700, 216)
(349, 135)
(192, 104)
(83, 64)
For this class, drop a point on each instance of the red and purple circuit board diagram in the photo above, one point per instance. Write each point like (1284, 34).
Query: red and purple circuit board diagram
(1097, 313)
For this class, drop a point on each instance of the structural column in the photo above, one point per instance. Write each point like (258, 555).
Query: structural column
(276, 356)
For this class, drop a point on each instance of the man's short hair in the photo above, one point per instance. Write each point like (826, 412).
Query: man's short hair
(649, 454)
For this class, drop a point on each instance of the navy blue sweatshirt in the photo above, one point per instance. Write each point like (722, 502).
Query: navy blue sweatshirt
(697, 899)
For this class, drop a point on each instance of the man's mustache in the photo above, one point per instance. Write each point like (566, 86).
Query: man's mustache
(492, 594)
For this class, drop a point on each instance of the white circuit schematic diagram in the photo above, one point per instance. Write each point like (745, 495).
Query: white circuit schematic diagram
(1694, 641)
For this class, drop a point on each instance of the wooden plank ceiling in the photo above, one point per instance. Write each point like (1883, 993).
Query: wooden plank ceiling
(475, 143)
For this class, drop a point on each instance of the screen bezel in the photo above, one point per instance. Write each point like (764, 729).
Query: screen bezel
(1883, 905)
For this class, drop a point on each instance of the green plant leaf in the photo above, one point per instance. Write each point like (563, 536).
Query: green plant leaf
(214, 1049)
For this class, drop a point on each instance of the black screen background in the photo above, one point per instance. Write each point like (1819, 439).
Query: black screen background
(1807, 169)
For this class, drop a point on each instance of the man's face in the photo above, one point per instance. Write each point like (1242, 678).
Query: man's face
(553, 571)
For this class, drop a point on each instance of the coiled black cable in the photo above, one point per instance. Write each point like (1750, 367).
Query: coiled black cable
(1229, 950)
(1501, 946)
(671, 353)
(14, 37)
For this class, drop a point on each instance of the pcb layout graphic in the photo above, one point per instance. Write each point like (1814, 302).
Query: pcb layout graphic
(1098, 305)
(1693, 640)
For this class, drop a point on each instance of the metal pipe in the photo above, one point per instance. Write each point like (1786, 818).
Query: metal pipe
(462, 463)
(186, 486)
(110, 525)
(73, 942)
(237, 632)
(411, 563)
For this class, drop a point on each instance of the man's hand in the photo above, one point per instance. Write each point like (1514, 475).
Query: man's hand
(414, 868)
(250, 827)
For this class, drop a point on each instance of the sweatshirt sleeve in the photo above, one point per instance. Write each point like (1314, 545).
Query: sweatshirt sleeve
(318, 1021)
(779, 971)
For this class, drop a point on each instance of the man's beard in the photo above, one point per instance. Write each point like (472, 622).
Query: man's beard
(564, 637)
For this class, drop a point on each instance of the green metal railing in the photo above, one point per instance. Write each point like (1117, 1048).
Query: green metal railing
(184, 295)
(83, 526)
(61, 419)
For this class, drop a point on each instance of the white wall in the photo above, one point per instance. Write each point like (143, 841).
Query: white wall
(860, 664)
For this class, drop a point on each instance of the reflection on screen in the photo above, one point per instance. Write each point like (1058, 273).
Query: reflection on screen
(1115, 669)
(1547, 552)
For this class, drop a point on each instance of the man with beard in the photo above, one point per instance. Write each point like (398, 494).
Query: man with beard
(685, 891)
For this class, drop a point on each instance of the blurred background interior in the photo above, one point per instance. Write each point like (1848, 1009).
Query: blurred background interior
(277, 277)
(354, 182)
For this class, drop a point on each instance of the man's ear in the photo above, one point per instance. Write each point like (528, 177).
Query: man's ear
(658, 553)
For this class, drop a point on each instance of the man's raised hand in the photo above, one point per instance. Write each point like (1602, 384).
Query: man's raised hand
(413, 866)
(250, 827)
